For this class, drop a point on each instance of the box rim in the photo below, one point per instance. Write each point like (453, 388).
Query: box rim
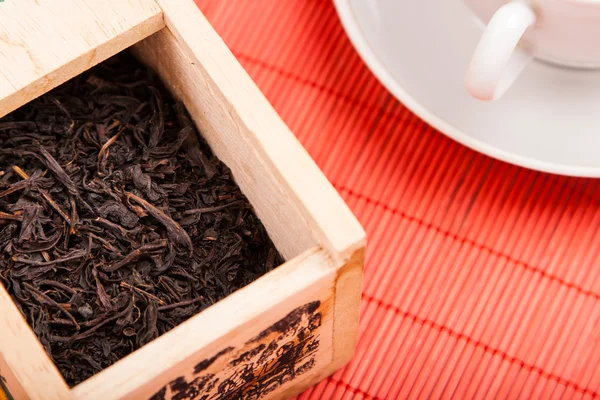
(317, 258)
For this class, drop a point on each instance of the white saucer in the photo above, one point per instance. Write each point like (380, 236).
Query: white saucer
(549, 120)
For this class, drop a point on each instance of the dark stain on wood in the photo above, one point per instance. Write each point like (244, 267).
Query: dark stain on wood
(277, 355)
(4, 392)
(204, 364)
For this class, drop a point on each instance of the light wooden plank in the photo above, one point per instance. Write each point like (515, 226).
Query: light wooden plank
(24, 364)
(44, 43)
(271, 166)
(280, 215)
(232, 322)
(346, 298)
(348, 292)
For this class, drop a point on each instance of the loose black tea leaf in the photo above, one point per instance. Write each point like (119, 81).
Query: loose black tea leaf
(116, 221)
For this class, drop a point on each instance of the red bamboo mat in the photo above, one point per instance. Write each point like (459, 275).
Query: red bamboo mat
(482, 278)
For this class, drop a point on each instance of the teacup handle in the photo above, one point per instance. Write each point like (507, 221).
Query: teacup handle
(498, 59)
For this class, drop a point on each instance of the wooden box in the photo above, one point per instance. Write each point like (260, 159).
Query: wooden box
(277, 336)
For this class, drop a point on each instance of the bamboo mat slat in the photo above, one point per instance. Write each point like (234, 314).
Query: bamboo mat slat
(482, 278)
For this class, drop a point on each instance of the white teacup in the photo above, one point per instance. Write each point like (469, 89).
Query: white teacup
(562, 32)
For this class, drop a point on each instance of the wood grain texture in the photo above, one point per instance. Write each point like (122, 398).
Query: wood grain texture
(213, 115)
(346, 307)
(272, 168)
(28, 371)
(289, 328)
(43, 43)
(245, 322)
(348, 289)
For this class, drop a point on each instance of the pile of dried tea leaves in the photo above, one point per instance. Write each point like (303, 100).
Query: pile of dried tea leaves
(116, 222)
